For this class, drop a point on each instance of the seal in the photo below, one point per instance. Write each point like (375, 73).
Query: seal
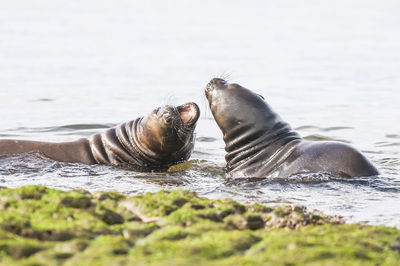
(260, 144)
(163, 138)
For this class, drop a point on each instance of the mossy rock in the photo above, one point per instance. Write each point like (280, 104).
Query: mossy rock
(42, 226)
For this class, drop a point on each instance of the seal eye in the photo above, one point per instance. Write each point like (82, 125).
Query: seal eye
(155, 111)
(167, 117)
(262, 97)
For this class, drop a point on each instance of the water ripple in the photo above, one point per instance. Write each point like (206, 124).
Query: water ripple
(349, 197)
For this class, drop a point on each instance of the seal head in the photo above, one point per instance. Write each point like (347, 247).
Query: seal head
(167, 133)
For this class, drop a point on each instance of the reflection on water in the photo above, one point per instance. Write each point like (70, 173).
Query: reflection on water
(69, 69)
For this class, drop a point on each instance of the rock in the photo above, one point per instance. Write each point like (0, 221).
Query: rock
(42, 226)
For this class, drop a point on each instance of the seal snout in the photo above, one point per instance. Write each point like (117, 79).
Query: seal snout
(189, 113)
(215, 83)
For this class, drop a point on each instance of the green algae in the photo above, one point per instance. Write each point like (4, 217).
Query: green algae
(42, 226)
(199, 165)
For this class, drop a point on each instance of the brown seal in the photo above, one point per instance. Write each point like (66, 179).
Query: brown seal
(163, 138)
(260, 144)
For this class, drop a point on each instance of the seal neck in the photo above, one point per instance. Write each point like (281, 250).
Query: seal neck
(121, 146)
(245, 143)
(148, 157)
(157, 160)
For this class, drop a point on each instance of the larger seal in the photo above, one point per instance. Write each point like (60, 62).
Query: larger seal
(154, 142)
(260, 144)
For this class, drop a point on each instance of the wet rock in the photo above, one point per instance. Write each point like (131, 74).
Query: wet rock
(197, 206)
(76, 202)
(254, 221)
(396, 245)
(108, 216)
(101, 196)
(137, 230)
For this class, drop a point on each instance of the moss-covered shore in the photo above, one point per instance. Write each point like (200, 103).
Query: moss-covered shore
(42, 226)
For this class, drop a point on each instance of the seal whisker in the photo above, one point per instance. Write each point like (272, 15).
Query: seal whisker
(222, 75)
(170, 99)
(177, 129)
(227, 76)
(207, 110)
(162, 143)
(181, 132)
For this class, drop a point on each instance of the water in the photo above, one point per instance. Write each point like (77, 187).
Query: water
(331, 69)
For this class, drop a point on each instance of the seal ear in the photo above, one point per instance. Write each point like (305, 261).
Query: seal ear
(262, 97)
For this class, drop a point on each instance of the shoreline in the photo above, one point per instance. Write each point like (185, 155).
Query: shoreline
(42, 226)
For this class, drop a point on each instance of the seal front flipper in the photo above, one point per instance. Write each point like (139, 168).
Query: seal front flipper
(74, 151)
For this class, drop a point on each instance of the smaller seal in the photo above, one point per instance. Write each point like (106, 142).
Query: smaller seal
(154, 142)
(260, 144)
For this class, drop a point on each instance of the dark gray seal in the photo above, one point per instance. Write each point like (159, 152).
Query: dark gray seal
(163, 138)
(260, 144)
